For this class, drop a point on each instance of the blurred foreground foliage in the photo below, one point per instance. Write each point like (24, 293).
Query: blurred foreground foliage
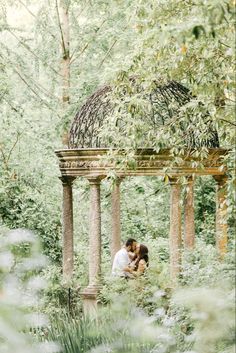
(145, 315)
(148, 315)
(20, 293)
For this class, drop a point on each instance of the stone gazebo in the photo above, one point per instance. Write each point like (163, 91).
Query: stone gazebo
(86, 157)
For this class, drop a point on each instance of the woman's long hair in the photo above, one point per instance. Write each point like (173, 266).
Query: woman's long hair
(142, 255)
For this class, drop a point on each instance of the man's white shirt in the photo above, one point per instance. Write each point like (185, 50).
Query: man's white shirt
(121, 260)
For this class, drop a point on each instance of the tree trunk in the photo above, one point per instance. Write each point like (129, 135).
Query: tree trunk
(63, 17)
(63, 22)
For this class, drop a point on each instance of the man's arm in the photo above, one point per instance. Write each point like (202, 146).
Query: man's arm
(123, 263)
(131, 255)
(127, 269)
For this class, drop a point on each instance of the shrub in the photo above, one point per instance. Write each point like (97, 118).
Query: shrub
(23, 205)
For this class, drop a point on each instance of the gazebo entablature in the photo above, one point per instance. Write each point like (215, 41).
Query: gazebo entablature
(95, 162)
(94, 165)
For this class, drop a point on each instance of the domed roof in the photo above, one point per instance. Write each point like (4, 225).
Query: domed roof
(165, 101)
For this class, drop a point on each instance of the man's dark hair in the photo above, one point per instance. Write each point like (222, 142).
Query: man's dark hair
(130, 241)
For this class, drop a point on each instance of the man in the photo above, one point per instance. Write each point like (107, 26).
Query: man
(122, 260)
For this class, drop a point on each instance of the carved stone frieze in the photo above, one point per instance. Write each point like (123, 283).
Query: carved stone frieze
(148, 162)
(99, 164)
(79, 164)
(140, 164)
(152, 164)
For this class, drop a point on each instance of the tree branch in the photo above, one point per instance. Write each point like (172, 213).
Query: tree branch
(107, 53)
(87, 44)
(37, 95)
(226, 45)
(32, 52)
(60, 27)
(27, 9)
(38, 85)
(4, 158)
(32, 14)
(31, 89)
(13, 146)
(2, 96)
(227, 121)
(12, 107)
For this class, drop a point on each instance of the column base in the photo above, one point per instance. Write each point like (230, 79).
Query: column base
(89, 299)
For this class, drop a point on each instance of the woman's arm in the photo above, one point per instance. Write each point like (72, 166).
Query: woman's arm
(141, 267)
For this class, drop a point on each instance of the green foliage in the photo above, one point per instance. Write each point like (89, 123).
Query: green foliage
(144, 204)
(24, 206)
(203, 268)
(205, 207)
(20, 286)
(55, 296)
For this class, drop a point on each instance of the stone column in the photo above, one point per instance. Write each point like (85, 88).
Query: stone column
(67, 223)
(175, 229)
(94, 232)
(221, 215)
(189, 225)
(115, 204)
(89, 294)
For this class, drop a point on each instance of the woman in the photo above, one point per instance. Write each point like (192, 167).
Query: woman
(140, 263)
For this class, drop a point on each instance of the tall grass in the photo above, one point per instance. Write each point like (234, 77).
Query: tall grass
(113, 332)
(75, 334)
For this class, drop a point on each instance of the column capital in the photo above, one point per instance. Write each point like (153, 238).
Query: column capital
(118, 180)
(67, 180)
(190, 179)
(174, 181)
(95, 180)
(220, 179)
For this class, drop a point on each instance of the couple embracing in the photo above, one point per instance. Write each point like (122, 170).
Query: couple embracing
(131, 260)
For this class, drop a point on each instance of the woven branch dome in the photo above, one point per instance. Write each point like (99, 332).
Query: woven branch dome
(165, 101)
